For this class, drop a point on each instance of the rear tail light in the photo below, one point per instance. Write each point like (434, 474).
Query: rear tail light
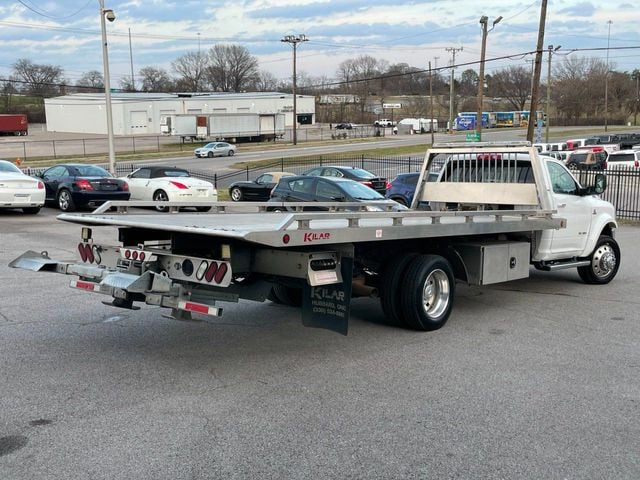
(367, 183)
(88, 253)
(40, 185)
(84, 184)
(388, 185)
(489, 156)
(606, 164)
(179, 185)
(636, 164)
(125, 187)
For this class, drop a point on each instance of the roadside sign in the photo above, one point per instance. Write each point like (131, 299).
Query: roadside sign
(473, 137)
(391, 105)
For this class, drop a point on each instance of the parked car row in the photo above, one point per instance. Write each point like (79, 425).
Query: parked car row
(72, 186)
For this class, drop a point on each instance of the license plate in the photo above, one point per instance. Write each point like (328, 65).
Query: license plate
(202, 193)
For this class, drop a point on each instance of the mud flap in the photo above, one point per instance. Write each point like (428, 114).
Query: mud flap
(327, 306)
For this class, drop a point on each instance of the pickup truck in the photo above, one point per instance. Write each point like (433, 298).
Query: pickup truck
(494, 210)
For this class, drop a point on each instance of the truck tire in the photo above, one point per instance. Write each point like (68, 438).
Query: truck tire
(605, 261)
(427, 300)
(284, 295)
(236, 194)
(65, 201)
(391, 287)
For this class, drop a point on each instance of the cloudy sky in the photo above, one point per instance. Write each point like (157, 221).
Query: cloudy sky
(67, 32)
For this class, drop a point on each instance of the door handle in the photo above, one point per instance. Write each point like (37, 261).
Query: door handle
(562, 205)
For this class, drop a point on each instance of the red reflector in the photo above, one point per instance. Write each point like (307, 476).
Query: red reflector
(127, 254)
(141, 256)
(388, 185)
(134, 255)
(286, 238)
(211, 271)
(222, 271)
(196, 307)
(40, 185)
(84, 184)
(181, 186)
(84, 285)
(83, 253)
(88, 252)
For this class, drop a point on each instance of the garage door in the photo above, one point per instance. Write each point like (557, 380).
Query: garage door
(138, 121)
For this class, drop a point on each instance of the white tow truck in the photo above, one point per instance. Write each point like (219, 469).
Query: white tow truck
(494, 210)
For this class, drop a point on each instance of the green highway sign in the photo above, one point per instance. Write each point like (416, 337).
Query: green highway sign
(473, 137)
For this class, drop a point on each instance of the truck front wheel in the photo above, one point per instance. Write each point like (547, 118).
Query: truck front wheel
(428, 298)
(605, 261)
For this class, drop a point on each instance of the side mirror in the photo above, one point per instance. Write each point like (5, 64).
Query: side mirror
(339, 198)
(600, 184)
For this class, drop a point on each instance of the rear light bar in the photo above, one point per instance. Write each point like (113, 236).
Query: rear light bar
(137, 254)
(90, 253)
(84, 285)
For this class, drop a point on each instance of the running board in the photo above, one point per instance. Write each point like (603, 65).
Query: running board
(564, 265)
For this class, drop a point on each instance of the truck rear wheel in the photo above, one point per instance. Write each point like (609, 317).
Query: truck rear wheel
(284, 295)
(605, 261)
(391, 285)
(427, 300)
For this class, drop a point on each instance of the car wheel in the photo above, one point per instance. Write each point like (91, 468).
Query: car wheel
(400, 200)
(210, 154)
(236, 194)
(605, 261)
(203, 209)
(427, 300)
(160, 196)
(31, 210)
(65, 201)
(231, 152)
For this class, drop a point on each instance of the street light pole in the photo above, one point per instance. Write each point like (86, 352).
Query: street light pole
(483, 22)
(108, 13)
(453, 51)
(606, 83)
(551, 51)
(294, 40)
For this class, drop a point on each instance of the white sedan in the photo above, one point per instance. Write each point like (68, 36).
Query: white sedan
(170, 184)
(215, 149)
(18, 190)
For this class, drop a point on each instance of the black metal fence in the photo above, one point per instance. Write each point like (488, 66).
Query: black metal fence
(623, 184)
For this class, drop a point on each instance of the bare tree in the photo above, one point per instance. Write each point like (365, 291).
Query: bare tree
(191, 68)
(265, 82)
(39, 79)
(91, 81)
(469, 83)
(231, 68)
(360, 77)
(155, 80)
(578, 87)
(127, 84)
(512, 84)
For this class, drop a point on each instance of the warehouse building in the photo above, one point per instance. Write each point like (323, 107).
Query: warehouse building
(143, 113)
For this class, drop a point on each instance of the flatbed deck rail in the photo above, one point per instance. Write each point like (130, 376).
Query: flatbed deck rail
(254, 224)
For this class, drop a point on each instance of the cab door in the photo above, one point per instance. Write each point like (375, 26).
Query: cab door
(574, 208)
(139, 184)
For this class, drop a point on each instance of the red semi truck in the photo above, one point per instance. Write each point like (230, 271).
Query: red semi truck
(14, 124)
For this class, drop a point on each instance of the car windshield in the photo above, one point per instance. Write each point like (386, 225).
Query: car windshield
(360, 173)
(8, 167)
(91, 171)
(360, 192)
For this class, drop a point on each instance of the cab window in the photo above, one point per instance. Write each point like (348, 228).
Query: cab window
(328, 190)
(142, 173)
(561, 179)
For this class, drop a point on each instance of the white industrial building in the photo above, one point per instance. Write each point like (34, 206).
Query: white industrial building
(141, 113)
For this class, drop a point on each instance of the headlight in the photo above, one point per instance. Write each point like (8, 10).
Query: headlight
(373, 208)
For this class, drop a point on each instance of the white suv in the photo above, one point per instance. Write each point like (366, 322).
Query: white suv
(624, 158)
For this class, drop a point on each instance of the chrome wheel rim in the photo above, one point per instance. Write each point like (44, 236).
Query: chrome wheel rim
(161, 197)
(436, 293)
(63, 201)
(235, 195)
(604, 261)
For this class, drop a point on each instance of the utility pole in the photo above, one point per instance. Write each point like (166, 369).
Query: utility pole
(548, 109)
(431, 102)
(453, 51)
(536, 75)
(294, 40)
(133, 80)
(606, 83)
(484, 20)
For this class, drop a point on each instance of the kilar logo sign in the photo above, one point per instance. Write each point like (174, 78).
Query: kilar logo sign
(312, 237)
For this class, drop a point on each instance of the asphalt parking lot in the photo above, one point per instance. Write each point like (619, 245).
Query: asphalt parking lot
(537, 378)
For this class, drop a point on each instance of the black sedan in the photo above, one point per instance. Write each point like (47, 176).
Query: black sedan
(329, 189)
(71, 186)
(369, 179)
(258, 190)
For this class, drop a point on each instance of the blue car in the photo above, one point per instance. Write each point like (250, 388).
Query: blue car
(402, 187)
